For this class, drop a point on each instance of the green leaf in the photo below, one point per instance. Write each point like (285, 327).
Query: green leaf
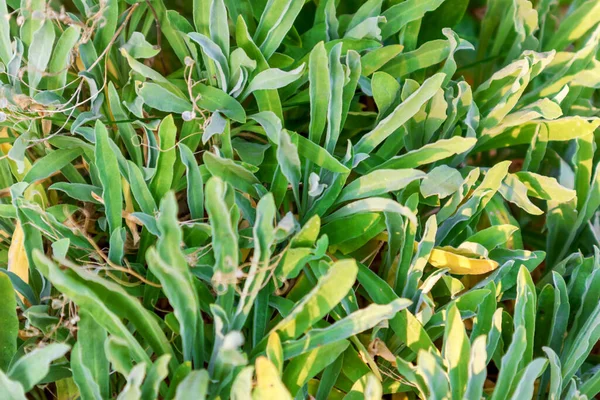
(510, 362)
(138, 47)
(87, 290)
(334, 110)
(376, 59)
(140, 189)
(61, 59)
(368, 117)
(108, 169)
(12, 390)
(555, 371)
(404, 324)
(494, 236)
(515, 191)
(429, 54)
(264, 236)
(116, 250)
(232, 173)
(219, 26)
(318, 155)
(119, 356)
(217, 126)
(329, 291)
(400, 115)
(385, 90)
(525, 387)
(477, 201)
(195, 385)
(582, 19)
(442, 181)
(456, 352)
(309, 364)
(477, 369)
(448, 14)
(368, 387)
(591, 386)
(153, 75)
(51, 163)
(134, 382)
(353, 324)
(178, 288)
(430, 153)
(213, 99)
(524, 314)
(583, 343)
(126, 130)
(273, 78)
(9, 322)
(39, 54)
(544, 187)
(34, 366)
(268, 100)
(289, 162)
(163, 179)
(110, 16)
(82, 376)
(159, 98)
(423, 254)
(372, 204)
(401, 14)
(225, 245)
(274, 24)
(93, 367)
(5, 38)
(379, 182)
(169, 265)
(561, 129)
(195, 185)
(318, 76)
(215, 53)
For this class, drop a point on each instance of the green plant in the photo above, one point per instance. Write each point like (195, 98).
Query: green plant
(276, 199)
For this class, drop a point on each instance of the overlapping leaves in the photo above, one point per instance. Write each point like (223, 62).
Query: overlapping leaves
(283, 199)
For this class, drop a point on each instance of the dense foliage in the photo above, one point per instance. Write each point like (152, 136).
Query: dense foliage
(276, 199)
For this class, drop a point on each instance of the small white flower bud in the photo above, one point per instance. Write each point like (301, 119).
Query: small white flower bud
(188, 115)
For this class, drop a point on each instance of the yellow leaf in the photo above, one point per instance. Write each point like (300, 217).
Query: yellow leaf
(17, 258)
(112, 69)
(459, 264)
(79, 63)
(268, 382)
(5, 147)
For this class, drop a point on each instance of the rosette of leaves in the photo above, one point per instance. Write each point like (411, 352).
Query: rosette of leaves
(299, 199)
